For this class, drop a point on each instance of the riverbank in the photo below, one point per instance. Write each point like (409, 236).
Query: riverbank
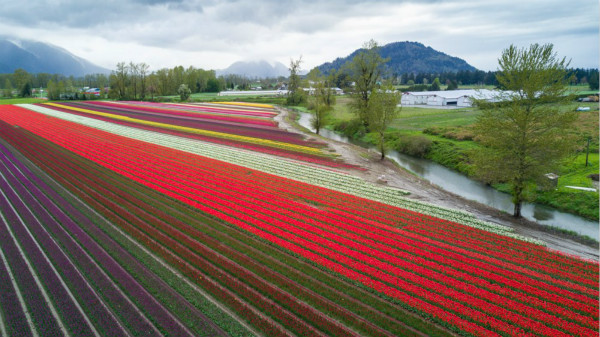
(389, 173)
(446, 138)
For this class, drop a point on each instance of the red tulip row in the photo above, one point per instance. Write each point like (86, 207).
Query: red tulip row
(128, 164)
(235, 190)
(529, 253)
(281, 281)
(522, 253)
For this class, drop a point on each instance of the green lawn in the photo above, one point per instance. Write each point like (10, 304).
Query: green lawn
(423, 118)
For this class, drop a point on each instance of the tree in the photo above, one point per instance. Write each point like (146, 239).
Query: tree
(119, 80)
(435, 86)
(20, 78)
(8, 88)
(452, 85)
(295, 93)
(593, 80)
(383, 109)
(322, 99)
(184, 92)
(26, 90)
(143, 77)
(213, 85)
(366, 70)
(523, 136)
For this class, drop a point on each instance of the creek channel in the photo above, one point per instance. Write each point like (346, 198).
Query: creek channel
(459, 184)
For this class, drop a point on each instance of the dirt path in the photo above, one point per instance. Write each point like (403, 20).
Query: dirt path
(387, 172)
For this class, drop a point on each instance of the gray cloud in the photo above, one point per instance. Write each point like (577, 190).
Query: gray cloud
(204, 29)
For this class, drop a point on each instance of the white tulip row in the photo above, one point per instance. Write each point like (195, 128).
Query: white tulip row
(286, 168)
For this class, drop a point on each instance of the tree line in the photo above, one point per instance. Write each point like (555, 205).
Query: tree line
(342, 78)
(135, 81)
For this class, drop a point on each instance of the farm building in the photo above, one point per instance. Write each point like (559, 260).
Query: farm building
(254, 93)
(458, 98)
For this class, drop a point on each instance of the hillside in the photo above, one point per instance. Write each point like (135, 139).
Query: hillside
(408, 57)
(39, 57)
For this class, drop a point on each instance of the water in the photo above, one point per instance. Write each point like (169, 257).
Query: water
(469, 189)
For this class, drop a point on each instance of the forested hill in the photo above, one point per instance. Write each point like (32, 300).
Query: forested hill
(408, 57)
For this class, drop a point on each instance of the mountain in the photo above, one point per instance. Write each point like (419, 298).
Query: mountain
(408, 57)
(256, 69)
(40, 57)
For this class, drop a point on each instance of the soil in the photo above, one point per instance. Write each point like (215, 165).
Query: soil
(388, 173)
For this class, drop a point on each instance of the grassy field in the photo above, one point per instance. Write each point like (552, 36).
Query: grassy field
(451, 125)
(21, 100)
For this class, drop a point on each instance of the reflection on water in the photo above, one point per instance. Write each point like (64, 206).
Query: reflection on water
(469, 189)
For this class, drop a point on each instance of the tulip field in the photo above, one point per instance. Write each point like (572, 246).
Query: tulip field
(149, 219)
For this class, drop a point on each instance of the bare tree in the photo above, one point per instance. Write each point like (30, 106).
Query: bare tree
(295, 93)
(143, 74)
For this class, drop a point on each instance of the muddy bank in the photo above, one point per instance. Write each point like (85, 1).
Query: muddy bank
(387, 172)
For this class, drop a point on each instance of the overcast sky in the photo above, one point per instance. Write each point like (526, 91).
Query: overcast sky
(212, 34)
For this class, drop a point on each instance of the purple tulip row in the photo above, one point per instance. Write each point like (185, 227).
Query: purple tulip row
(49, 218)
(189, 312)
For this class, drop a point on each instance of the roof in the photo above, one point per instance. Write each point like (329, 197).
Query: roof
(475, 93)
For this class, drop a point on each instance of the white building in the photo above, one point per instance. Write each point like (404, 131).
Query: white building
(254, 93)
(458, 98)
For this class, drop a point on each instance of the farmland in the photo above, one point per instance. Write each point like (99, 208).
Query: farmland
(151, 219)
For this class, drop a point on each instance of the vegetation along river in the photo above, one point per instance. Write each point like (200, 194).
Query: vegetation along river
(467, 188)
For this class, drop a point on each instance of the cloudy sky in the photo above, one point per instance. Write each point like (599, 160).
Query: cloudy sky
(212, 34)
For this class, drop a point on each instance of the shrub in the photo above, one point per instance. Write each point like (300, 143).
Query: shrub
(414, 145)
(352, 129)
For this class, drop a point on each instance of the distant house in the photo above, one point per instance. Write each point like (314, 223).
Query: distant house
(458, 98)
(92, 91)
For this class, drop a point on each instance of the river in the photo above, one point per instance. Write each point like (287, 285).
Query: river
(459, 184)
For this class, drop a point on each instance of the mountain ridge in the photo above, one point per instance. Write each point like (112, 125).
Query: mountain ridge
(41, 57)
(407, 57)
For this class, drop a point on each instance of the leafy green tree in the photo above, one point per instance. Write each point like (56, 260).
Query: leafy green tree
(383, 109)
(8, 88)
(452, 85)
(51, 90)
(20, 78)
(213, 85)
(119, 81)
(295, 92)
(593, 80)
(366, 69)
(26, 90)
(523, 136)
(435, 86)
(184, 92)
(322, 99)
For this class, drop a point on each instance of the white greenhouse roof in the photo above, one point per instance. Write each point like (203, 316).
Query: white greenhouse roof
(475, 93)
